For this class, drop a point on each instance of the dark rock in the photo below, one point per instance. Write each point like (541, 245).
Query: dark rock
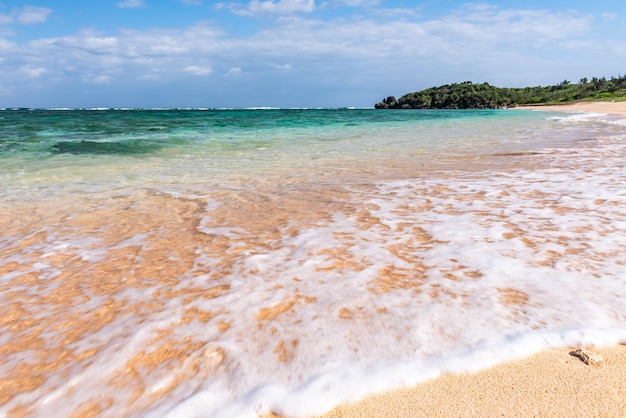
(387, 103)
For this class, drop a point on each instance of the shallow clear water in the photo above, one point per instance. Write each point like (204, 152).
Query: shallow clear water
(236, 262)
(180, 146)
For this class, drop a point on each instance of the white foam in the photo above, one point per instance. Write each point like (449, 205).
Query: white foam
(566, 305)
(398, 282)
(574, 301)
(578, 116)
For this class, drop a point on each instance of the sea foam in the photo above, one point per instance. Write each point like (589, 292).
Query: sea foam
(167, 286)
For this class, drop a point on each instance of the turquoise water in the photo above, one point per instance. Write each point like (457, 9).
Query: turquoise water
(237, 262)
(38, 133)
(180, 145)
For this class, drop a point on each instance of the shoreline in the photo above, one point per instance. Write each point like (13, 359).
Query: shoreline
(553, 382)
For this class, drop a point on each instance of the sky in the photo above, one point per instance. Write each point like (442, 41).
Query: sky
(294, 53)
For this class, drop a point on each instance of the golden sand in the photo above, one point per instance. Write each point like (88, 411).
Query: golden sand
(613, 108)
(554, 383)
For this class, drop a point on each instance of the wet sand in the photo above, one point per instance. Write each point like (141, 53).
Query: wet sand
(549, 384)
(145, 318)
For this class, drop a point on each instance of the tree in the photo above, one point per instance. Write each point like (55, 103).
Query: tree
(468, 95)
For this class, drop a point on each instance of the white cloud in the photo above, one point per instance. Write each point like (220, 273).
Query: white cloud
(96, 78)
(192, 2)
(280, 7)
(131, 54)
(282, 66)
(31, 14)
(474, 34)
(6, 45)
(27, 15)
(471, 36)
(356, 3)
(130, 4)
(401, 13)
(91, 42)
(233, 71)
(33, 72)
(169, 43)
(610, 16)
(196, 70)
(309, 43)
(490, 22)
(150, 77)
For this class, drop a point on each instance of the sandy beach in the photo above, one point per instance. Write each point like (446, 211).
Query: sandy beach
(553, 383)
(612, 108)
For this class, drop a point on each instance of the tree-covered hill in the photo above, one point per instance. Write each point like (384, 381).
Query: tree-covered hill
(468, 95)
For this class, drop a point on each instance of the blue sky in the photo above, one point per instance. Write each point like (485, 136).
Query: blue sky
(292, 53)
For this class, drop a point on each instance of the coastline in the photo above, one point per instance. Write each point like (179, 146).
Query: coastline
(553, 382)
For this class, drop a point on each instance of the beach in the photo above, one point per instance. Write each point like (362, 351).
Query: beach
(617, 108)
(553, 383)
(245, 262)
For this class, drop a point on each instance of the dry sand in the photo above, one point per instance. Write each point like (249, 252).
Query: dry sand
(614, 108)
(553, 383)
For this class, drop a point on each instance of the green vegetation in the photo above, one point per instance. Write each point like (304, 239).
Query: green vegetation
(468, 95)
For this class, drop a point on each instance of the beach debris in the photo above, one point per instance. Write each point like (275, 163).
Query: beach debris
(588, 357)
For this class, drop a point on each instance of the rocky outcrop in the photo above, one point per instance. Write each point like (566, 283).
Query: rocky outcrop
(387, 103)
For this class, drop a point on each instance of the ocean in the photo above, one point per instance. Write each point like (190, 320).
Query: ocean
(237, 262)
